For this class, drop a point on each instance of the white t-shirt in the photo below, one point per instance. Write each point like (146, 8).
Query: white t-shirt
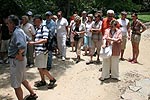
(96, 25)
(61, 26)
(28, 27)
(88, 26)
(124, 24)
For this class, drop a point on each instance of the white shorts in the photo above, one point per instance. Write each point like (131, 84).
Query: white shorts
(41, 60)
(17, 72)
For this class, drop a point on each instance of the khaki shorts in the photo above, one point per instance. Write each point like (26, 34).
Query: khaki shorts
(124, 41)
(96, 44)
(17, 72)
(135, 38)
(41, 60)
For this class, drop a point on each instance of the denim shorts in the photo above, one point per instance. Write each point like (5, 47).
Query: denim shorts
(87, 41)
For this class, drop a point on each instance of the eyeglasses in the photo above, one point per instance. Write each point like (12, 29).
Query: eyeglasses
(110, 16)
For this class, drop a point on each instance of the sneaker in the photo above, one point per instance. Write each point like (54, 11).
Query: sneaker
(51, 84)
(63, 58)
(6, 62)
(90, 62)
(32, 97)
(30, 66)
(1, 61)
(40, 83)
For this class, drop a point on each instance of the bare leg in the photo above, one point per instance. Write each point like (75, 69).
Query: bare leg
(133, 50)
(41, 74)
(72, 45)
(86, 48)
(122, 52)
(19, 93)
(45, 71)
(136, 51)
(27, 86)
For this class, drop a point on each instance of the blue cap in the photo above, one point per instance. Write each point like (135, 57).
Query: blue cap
(48, 13)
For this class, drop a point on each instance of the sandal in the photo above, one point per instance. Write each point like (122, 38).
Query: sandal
(122, 59)
(101, 79)
(85, 54)
(130, 60)
(32, 97)
(51, 84)
(134, 61)
(98, 61)
(40, 83)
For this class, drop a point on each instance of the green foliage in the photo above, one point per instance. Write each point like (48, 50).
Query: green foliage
(144, 16)
(20, 7)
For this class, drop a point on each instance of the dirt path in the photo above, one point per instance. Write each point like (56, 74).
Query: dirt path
(80, 81)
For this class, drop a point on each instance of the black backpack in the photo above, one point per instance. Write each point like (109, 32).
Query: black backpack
(49, 43)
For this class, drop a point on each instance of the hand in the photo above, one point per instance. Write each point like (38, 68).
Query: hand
(74, 33)
(31, 43)
(30, 29)
(103, 46)
(19, 57)
(129, 37)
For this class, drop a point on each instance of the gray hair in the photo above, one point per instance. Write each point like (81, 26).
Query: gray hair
(26, 17)
(14, 19)
(110, 12)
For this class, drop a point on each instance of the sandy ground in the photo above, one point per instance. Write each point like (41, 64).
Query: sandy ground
(80, 81)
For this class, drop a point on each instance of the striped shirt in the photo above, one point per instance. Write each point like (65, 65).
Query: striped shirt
(41, 34)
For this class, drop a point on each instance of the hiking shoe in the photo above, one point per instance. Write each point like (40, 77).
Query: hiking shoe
(63, 58)
(51, 84)
(40, 83)
(90, 62)
(32, 97)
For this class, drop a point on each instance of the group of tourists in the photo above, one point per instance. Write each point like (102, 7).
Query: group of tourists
(37, 39)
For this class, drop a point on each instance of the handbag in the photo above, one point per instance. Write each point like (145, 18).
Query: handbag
(76, 37)
(106, 52)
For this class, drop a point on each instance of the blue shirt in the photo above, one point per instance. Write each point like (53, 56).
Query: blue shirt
(18, 41)
(51, 25)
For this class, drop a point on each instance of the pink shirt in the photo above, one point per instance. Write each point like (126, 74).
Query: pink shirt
(116, 46)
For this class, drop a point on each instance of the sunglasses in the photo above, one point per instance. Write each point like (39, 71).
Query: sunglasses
(110, 16)
(132, 16)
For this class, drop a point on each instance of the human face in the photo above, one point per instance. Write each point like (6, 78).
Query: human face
(133, 17)
(110, 16)
(59, 15)
(11, 26)
(97, 18)
(37, 22)
(77, 22)
(123, 16)
(89, 19)
(24, 20)
(48, 17)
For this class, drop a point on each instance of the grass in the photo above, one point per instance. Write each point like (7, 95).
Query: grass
(144, 17)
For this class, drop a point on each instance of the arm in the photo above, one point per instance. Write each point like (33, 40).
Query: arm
(143, 27)
(41, 41)
(129, 31)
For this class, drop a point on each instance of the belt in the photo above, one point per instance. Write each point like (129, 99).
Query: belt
(136, 33)
(13, 57)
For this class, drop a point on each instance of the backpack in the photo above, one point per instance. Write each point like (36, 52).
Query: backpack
(49, 43)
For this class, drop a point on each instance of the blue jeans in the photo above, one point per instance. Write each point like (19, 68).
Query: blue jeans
(49, 60)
